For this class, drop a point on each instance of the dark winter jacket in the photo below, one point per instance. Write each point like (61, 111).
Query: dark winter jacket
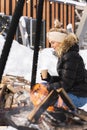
(72, 74)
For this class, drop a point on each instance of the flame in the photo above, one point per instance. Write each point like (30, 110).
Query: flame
(38, 94)
(50, 108)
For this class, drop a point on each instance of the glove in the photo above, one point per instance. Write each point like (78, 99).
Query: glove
(48, 77)
(53, 86)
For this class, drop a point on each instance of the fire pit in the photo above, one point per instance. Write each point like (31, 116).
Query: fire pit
(17, 105)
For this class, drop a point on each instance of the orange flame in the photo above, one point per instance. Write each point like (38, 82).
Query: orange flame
(38, 94)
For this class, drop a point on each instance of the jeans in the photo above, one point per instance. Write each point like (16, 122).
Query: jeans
(78, 101)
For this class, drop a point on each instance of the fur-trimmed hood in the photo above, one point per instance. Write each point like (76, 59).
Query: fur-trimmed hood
(69, 41)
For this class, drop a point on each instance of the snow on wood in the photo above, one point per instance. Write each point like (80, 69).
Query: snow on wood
(70, 2)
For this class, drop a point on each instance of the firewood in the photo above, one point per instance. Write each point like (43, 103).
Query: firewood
(66, 98)
(2, 94)
(75, 111)
(2, 85)
(51, 99)
(38, 110)
(11, 88)
(9, 100)
(16, 79)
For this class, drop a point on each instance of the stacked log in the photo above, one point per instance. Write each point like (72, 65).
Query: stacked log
(11, 87)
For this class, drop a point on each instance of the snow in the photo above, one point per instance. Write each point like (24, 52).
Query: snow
(21, 58)
(20, 61)
(72, 2)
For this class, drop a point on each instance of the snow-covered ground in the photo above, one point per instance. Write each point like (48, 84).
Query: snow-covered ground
(20, 61)
(21, 58)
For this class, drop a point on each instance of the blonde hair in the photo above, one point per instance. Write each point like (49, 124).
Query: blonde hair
(58, 27)
(67, 39)
(70, 40)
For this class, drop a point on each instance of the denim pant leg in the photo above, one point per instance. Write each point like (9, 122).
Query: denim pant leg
(77, 101)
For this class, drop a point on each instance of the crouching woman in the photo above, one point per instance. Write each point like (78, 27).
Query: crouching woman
(70, 67)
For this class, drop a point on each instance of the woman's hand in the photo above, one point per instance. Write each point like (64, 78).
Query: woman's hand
(48, 77)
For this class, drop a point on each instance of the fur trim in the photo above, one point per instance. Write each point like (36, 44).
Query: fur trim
(70, 40)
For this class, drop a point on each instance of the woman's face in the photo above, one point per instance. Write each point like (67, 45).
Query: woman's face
(55, 45)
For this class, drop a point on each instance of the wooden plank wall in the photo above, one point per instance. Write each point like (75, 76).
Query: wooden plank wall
(51, 11)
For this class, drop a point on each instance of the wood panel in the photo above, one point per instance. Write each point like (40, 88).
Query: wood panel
(51, 11)
(73, 17)
(24, 10)
(69, 13)
(65, 15)
(7, 7)
(61, 13)
(44, 12)
(53, 14)
(34, 8)
(2, 6)
(13, 5)
(28, 8)
(56, 11)
(47, 20)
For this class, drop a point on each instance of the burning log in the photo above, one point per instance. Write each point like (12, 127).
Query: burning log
(77, 112)
(15, 92)
(18, 106)
(38, 110)
(72, 113)
(66, 99)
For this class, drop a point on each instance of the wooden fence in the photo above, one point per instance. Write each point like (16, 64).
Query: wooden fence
(51, 11)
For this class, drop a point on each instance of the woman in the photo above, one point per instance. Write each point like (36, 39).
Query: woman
(70, 67)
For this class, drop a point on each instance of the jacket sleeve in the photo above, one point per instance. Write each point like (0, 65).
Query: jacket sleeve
(67, 73)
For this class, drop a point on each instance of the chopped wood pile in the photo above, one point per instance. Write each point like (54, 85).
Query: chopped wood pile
(16, 106)
(11, 89)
